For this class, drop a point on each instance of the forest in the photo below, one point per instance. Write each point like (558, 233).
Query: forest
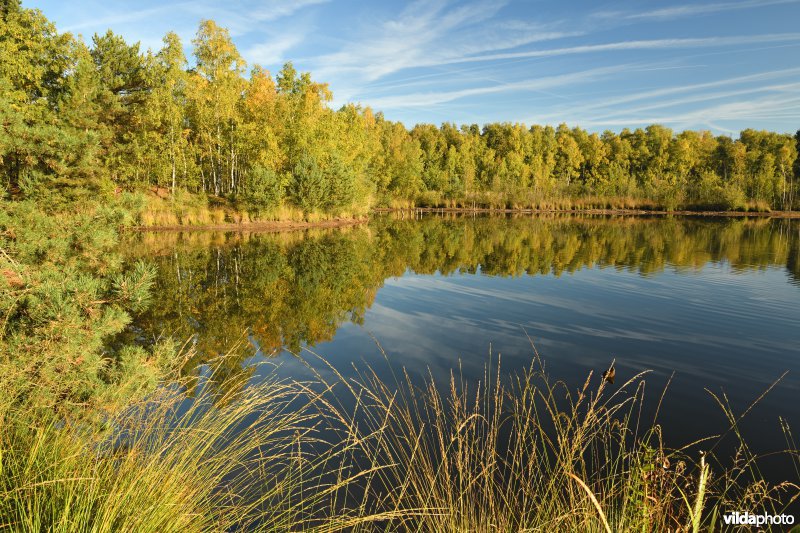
(103, 117)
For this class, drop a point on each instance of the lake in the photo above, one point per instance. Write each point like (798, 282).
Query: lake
(708, 304)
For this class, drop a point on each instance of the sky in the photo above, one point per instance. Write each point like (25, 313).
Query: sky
(717, 65)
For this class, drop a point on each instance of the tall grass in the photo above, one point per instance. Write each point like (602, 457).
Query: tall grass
(187, 209)
(207, 457)
(526, 201)
(510, 452)
(180, 209)
(523, 452)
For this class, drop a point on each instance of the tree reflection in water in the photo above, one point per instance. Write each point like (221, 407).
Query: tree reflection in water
(291, 289)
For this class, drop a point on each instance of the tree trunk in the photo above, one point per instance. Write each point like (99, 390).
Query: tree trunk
(172, 152)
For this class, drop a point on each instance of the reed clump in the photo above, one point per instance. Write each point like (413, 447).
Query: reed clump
(527, 201)
(180, 208)
(161, 208)
(198, 455)
(332, 453)
(524, 452)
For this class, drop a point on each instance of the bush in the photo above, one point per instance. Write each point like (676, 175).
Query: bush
(266, 189)
(309, 188)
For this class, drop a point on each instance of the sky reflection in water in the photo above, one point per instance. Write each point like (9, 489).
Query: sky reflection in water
(714, 301)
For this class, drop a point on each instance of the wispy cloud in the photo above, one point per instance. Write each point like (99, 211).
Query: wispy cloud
(273, 51)
(539, 84)
(766, 108)
(781, 109)
(692, 10)
(427, 34)
(124, 16)
(787, 89)
(239, 19)
(589, 111)
(277, 9)
(652, 44)
(276, 27)
(242, 20)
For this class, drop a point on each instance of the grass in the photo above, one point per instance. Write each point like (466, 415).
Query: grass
(510, 452)
(187, 209)
(182, 209)
(202, 459)
(529, 454)
(757, 206)
(161, 209)
(527, 201)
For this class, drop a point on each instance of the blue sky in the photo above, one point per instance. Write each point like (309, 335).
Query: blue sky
(718, 65)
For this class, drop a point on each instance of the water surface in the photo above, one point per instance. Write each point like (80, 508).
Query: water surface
(713, 304)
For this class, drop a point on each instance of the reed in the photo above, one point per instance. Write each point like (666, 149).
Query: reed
(187, 209)
(526, 453)
(510, 452)
(202, 456)
(757, 206)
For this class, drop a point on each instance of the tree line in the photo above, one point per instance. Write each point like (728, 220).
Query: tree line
(85, 119)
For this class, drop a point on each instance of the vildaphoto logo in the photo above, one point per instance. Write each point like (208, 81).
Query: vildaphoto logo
(748, 519)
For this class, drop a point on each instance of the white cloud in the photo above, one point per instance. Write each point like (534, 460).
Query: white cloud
(778, 105)
(244, 19)
(657, 95)
(239, 18)
(539, 84)
(281, 8)
(123, 17)
(696, 9)
(273, 50)
(653, 44)
(755, 112)
(428, 34)
(787, 88)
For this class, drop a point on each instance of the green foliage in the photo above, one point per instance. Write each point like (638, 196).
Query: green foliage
(267, 190)
(79, 121)
(309, 188)
(181, 462)
(343, 184)
(67, 294)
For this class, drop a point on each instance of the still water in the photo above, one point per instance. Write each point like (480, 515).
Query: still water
(708, 305)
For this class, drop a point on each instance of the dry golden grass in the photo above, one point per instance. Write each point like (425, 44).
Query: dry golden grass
(522, 452)
(186, 209)
(757, 206)
(509, 452)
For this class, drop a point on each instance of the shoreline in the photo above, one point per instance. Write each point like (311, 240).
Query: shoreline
(292, 225)
(636, 212)
(260, 226)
